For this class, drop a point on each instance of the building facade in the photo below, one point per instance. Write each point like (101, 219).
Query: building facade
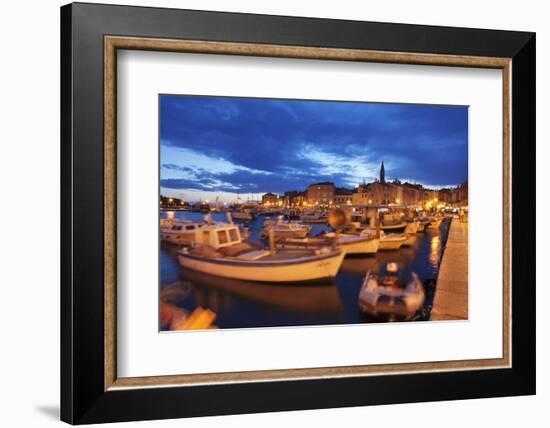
(271, 199)
(320, 194)
(342, 197)
(455, 197)
(294, 199)
(382, 192)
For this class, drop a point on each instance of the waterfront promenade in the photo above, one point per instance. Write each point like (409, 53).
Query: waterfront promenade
(451, 295)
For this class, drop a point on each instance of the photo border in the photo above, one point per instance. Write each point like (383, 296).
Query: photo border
(85, 206)
(114, 43)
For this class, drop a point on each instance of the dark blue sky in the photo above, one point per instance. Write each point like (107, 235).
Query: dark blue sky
(226, 146)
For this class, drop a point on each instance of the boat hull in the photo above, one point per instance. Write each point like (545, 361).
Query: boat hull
(412, 228)
(358, 246)
(389, 244)
(393, 228)
(177, 238)
(301, 270)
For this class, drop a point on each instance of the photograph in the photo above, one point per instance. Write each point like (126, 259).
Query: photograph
(287, 212)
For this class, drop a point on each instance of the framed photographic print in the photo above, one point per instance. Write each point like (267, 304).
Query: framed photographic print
(265, 213)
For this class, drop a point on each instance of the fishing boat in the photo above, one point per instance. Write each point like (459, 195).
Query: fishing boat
(351, 245)
(186, 232)
(179, 232)
(221, 252)
(412, 227)
(393, 223)
(386, 297)
(283, 230)
(243, 215)
(388, 241)
(314, 218)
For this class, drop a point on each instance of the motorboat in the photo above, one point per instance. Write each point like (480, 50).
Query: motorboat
(412, 227)
(283, 230)
(388, 241)
(351, 245)
(222, 252)
(186, 232)
(393, 223)
(314, 218)
(179, 232)
(387, 298)
(244, 215)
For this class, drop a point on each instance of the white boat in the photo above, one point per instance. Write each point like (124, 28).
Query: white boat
(221, 252)
(283, 230)
(313, 218)
(412, 227)
(356, 244)
(179, 232)
(351, 245)
(393, 223)
(388, 241)
(385, 298)
(243, 216)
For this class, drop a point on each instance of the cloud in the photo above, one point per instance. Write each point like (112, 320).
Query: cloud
(258, 145)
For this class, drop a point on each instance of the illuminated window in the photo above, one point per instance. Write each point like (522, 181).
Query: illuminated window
(233, 235)
(222, 237)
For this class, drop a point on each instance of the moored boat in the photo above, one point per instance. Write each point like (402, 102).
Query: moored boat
(222, 252)
(412, 227)
(393, 223)
(351, 245)
(314, 218)
(388, 241)
(243, 215)
(283, 230)
(386, 298)
(179, 232)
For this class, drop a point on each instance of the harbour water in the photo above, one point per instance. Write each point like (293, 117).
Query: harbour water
(241, 304)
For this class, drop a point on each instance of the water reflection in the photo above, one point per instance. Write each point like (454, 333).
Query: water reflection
(240, 304)
(213, 292)
(435, 251)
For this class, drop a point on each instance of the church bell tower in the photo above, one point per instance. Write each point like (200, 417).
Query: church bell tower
(382, 174)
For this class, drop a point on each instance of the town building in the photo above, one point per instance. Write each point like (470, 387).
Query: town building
(382, 192)
(342, 197)
(271, 199)
(320, 194)
(294, 199)
(455, 197)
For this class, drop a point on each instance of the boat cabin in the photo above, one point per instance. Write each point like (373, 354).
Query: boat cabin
(219, 235)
